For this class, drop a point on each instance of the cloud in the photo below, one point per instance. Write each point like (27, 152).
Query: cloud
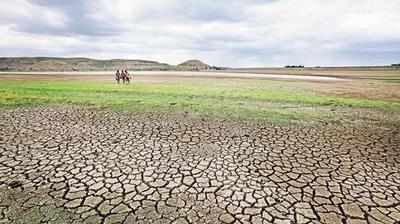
(230, 33)
(27, 17)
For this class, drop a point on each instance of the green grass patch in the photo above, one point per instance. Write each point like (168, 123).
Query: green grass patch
(243, 99)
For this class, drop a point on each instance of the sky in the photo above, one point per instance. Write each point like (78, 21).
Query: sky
(235, 33)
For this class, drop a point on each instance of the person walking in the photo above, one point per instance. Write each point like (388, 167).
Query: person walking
(128, 77)
(123, 76)
(118, 76)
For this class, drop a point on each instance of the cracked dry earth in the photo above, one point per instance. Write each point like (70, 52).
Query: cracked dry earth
(107, 167)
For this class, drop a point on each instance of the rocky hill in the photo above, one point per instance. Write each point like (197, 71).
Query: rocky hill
(194, 65)
(77, 64)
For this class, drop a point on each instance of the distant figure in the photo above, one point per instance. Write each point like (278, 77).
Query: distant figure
(128, 77)
(123, 76)
(118, 76)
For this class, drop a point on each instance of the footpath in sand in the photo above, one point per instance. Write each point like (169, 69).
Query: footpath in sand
(109, 167)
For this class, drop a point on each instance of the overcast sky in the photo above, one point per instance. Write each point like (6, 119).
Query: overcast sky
(219, 32)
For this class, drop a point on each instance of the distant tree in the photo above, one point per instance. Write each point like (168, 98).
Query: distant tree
(215, 68)
(294, 66)
(396, 65)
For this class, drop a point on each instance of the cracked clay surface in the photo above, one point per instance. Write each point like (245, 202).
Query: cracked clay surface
(109, 167)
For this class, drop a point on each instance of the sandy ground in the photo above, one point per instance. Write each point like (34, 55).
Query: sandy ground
(354, 73)
(108, 75)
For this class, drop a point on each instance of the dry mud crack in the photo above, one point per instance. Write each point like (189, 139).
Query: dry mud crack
(108, 167)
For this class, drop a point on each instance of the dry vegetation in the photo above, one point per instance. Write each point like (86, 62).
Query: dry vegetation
(384, 72)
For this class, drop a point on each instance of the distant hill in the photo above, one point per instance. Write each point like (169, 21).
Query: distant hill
(77, 64)
(194, 65)
(41, 64)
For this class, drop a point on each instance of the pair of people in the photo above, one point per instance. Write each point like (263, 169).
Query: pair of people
(123, 75)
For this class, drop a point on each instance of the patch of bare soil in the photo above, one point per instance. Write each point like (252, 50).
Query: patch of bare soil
(361, 89)
(114, 167)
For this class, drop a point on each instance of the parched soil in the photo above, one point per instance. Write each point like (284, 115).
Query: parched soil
(343, 72)
(109, 167)
(360, 89)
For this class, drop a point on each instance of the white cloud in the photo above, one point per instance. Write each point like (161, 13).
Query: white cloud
(241, 33)
(18, 12)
